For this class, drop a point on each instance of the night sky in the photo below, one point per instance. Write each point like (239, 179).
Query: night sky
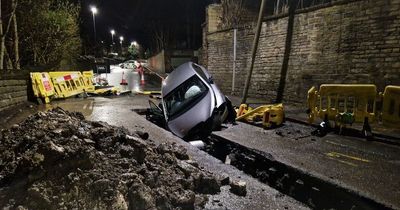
(131, 18)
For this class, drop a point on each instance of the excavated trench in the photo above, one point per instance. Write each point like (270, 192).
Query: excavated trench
(300, 185)
(304, 187)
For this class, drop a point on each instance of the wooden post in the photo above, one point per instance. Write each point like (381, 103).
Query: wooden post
(286, 55)
(254, 51)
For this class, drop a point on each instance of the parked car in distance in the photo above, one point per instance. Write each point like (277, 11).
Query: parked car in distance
(143, 62)
(129, 64)
(192, 105)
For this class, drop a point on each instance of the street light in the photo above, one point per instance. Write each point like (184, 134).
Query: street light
(112, 39)
(121, 38)
(94, 11)
(112, 36)
(134, 43)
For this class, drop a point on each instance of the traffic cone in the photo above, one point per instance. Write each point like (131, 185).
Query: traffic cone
(123, 80)
(142, 78)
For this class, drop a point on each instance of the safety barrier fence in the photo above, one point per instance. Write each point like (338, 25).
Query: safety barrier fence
(349, 103)
(48, 85)
(268, 115)
(391, 106)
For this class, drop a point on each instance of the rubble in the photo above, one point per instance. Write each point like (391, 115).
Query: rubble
(58, 160)
(238, 188)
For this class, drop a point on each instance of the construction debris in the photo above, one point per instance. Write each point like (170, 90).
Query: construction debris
(58, 160)
(238, 188)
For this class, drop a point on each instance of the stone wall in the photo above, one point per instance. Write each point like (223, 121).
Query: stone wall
(213, 17)
(13, 88)
(157, 62)
(344, 42)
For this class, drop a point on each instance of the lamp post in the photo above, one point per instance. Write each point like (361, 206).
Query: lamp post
(94, 11)
(121, 39)
(112, 36)
(112, 39)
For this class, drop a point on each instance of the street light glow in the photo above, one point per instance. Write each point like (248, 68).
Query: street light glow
(93, 9)
(134, 43)
(112, 32)
(94, 12)
(121, 38)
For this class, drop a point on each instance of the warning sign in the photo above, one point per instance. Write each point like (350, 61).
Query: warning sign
(46, 85)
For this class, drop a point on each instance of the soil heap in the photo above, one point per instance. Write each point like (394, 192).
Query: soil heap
(59, 160)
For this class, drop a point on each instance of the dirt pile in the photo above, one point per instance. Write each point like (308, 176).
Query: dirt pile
(58, 160)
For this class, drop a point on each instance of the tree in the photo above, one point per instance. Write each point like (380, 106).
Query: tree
(232, 12)
(133, 51)
(49, 32)
(16, 38)
(163, 35)
(8, 14)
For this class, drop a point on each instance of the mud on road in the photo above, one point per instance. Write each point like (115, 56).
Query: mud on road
(59, 160)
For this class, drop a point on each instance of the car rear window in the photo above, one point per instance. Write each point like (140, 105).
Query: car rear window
(185, 96)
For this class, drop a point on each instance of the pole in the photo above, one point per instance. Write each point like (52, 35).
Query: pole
(112, 42)
(254, 51)
(286, 55)
(234, 60)
(94, 27)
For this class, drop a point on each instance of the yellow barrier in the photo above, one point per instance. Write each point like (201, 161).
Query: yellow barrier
(269, 115)
(42, 86)
(334, 100)
(67, 84)
(243, 108)
(61, 84)
(107, 91)
(312, 97)
(391, 106)
(88, 81)
(152, 92)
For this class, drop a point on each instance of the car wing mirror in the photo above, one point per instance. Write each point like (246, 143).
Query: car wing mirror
(154, 107)
(211, 80)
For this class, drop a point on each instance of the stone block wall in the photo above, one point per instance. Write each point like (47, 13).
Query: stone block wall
(346, 42)
(213, 17)
(13, 88)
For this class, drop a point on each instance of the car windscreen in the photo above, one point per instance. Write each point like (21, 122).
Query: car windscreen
(184, 97)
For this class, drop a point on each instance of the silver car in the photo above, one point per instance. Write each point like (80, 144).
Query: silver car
(192, 104)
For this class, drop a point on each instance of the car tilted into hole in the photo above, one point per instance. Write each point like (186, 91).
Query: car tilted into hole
(192, 105)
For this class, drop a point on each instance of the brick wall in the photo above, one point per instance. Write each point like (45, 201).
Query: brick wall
(13, 88)
(347, 42)
(213, 17)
